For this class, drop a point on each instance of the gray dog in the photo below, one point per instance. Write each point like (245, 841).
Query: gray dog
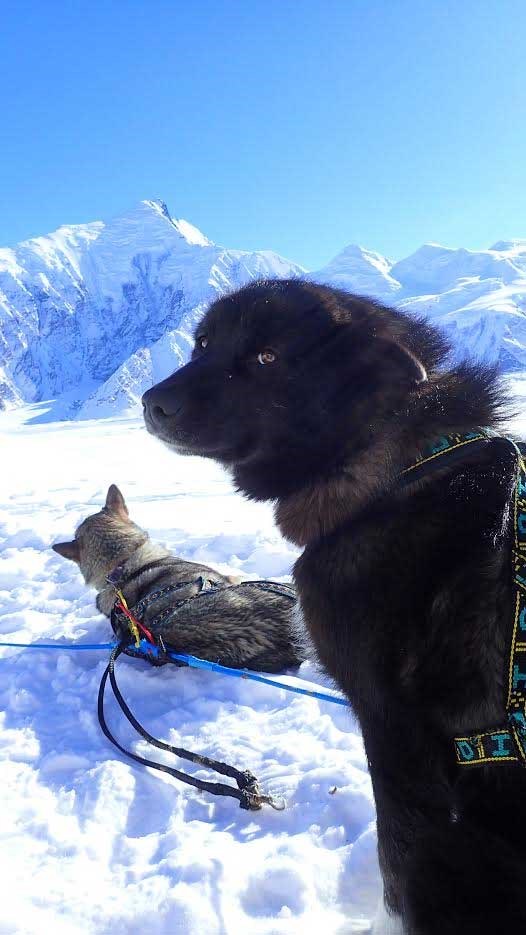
(238, 624)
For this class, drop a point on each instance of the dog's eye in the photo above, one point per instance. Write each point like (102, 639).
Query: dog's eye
(267, 356)
(202, 341)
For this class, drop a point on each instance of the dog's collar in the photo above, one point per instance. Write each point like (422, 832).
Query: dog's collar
(118, 577)
(125, 618)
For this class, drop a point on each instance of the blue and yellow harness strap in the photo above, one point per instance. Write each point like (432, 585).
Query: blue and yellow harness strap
(508, 742)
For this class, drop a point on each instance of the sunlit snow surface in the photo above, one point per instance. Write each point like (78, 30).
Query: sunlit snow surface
(92, 844)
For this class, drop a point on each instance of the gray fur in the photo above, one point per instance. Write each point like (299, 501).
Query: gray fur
(243, 627)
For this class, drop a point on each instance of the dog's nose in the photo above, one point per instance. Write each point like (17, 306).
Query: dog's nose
(153, 411)
(159, 405)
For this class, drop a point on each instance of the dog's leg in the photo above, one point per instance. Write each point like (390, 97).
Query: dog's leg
(461, 881)
(412, 796)
(468, 877)
(452, 863)
(405, 810)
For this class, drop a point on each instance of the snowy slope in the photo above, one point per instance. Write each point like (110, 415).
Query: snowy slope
(90, 843)
(77, 304)
(478, 298)
(363, 271)
(92, 314)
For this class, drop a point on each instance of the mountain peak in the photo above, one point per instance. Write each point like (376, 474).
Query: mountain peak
(151, 217)
(84, 308)
(508, 246)
(435, 268)
(359, 270)
(188, 231)
(157, 205)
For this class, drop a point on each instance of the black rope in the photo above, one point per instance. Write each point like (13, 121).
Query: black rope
(247, 792)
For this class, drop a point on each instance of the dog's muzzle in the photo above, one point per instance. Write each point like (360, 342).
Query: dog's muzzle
(160, 411)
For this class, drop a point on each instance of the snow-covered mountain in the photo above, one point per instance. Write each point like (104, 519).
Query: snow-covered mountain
(92, 314)
(477, 297)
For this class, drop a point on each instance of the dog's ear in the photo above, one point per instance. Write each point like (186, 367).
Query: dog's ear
(69, 550)
(115, 502)
(403, 360)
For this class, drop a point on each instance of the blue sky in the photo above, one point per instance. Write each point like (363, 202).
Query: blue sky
(296, 126)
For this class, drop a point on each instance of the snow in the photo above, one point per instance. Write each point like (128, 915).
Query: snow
(90, 316)
(84, 310)
(358, 270)
(92, 843)
(79, 303)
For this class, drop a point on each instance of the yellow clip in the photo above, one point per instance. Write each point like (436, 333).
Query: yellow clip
(131, 623)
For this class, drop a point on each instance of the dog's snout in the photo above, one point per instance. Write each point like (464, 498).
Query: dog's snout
(158, 405)
(158, 412)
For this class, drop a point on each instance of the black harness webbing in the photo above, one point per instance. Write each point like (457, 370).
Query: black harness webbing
(503, 743)
(248, 793)
(454, 446)
(125, 622)
(207, 587)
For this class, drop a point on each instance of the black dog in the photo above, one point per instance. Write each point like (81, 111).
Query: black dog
(318, 400)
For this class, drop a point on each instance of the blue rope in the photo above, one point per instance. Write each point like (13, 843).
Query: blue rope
(60, 645)
(195, 663)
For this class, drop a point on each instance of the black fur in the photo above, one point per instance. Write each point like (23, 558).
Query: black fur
(406, 591)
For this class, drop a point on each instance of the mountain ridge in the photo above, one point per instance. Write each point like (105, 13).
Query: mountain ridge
(92, 314)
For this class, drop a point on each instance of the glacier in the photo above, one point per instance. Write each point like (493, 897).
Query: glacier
(92, 314)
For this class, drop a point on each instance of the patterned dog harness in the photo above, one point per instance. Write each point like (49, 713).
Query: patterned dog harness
(506, 743)
(128, 621)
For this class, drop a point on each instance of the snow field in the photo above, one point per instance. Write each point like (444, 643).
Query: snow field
(93, 844)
